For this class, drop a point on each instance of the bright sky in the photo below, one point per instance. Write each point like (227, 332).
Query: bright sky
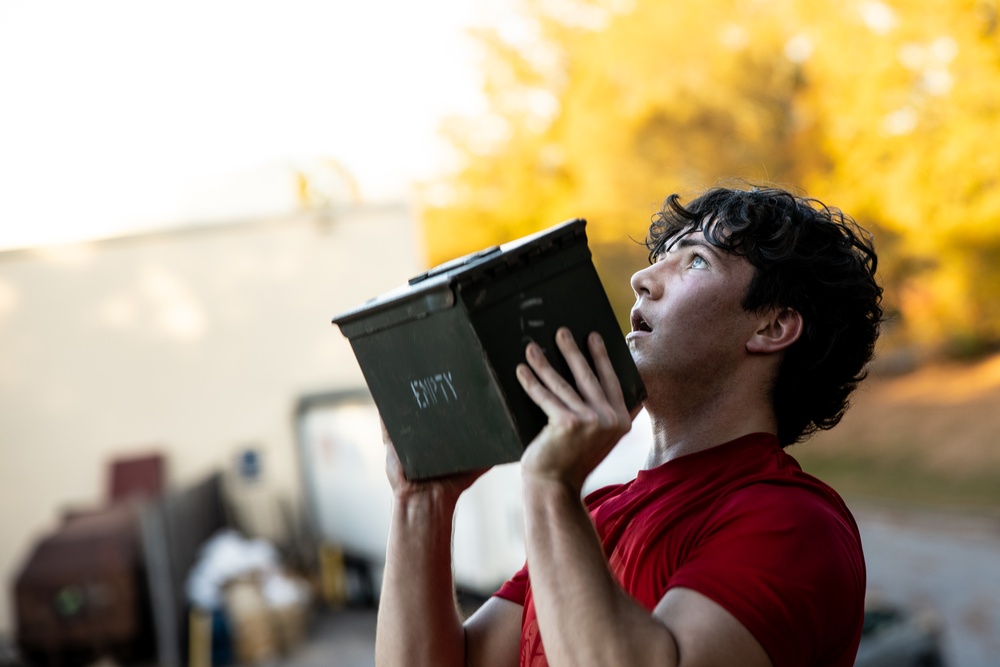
(117, 115)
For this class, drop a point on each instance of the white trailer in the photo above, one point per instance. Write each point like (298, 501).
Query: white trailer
(349, 500)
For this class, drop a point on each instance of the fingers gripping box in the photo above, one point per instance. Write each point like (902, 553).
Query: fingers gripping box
(439, 354)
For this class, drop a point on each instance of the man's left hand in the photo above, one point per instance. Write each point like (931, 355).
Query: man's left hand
(584, 423)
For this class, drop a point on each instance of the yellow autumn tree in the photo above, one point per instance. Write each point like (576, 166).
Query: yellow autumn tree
(603, 116)
(909, 118)
(601, 108)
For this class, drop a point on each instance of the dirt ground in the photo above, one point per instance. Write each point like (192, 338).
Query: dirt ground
(931, 435)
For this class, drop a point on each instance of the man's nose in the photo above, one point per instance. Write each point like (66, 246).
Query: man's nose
(640, 282)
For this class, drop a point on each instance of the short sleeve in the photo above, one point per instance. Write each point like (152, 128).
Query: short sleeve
(786, 562)
(515, 589)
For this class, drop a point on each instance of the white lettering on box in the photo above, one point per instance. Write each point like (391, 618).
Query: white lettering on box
(433, 390)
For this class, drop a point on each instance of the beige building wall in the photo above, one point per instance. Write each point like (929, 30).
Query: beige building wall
(195, 342)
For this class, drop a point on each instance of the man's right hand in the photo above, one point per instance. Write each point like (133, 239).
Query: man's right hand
(450, 487)
(418, 621)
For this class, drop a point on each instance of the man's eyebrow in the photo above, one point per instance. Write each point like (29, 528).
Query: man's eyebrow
(688, 242)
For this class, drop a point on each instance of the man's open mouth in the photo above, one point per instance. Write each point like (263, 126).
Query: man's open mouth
(639, 324)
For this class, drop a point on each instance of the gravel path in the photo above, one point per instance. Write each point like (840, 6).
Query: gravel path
(947, 564)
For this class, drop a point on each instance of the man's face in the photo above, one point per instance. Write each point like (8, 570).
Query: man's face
(688, 325)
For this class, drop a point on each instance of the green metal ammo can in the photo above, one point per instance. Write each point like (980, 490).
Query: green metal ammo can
(439, 354)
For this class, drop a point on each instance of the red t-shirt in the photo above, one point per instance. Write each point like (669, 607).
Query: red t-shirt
(742, 524)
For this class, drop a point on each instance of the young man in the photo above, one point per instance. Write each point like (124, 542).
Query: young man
(752, 325)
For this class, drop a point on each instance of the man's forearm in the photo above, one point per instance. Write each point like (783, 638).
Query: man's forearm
(583, 615)
(418, 622)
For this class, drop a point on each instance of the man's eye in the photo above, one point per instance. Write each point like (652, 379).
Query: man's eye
(698, 262)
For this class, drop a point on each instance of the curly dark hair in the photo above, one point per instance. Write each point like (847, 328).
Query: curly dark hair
(809, 257)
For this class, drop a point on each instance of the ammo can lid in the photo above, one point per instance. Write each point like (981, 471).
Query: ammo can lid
(434, 290)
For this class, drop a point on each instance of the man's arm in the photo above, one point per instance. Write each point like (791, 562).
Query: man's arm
(583, 615)
(586, 619)
(493, 634)
(418, 619)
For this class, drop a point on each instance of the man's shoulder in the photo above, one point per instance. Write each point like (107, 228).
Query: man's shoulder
(801, 508)
(600, 494)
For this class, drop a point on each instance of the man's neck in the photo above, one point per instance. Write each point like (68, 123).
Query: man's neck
(687, 426)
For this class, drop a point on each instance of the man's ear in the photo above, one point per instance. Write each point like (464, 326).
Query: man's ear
(778, 328)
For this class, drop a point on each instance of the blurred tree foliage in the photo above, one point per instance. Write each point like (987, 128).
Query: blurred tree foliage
(600, 108)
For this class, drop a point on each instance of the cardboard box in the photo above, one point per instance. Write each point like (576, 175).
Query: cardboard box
(439, 354)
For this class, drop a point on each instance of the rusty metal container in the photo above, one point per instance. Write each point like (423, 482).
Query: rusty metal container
(82, 592)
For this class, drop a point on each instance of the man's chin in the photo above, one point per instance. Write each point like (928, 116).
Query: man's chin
(641, 363)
